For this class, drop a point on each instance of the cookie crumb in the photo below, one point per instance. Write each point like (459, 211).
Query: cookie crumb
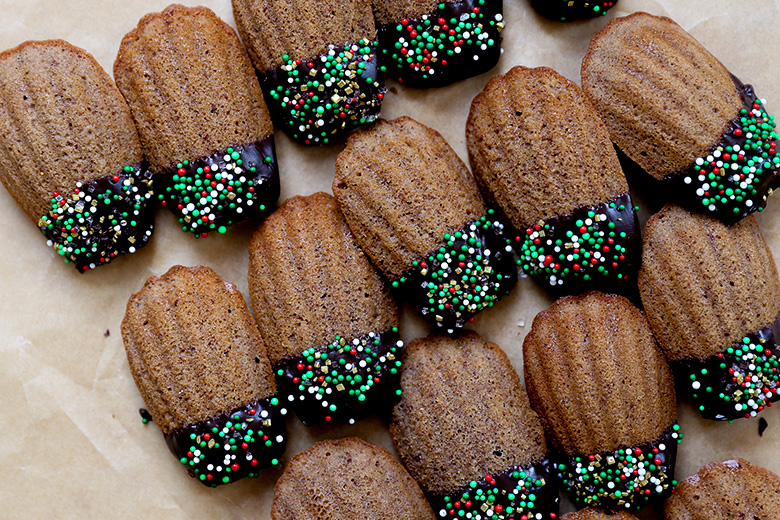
(107, 333)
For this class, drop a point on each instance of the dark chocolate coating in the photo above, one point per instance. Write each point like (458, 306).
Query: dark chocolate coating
(657, 459)
(570, 10)
(195, 192)
(357, 378)
(82, 225)
(720, 193)
(254, 435)
(424, 52)
(531, 488)
(605, 255)
(319, 98)
(739, 382)
(459, 279)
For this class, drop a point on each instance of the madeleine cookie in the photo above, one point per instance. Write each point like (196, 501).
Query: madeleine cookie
(429, 43)
(70, 154)
(562, 191)
(730, 489)
(675, 110)
(598, 514)
(714, 312)
(347, 479)
(570, 10)
(317, 64)
(202, 370)
(201, 117)
(326, 313)
(415, 210)
(605, 395)
(465, 431)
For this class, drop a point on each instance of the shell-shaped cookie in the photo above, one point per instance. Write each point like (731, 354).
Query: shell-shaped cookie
(598, 514)
(201, 116)
(601, 386)
(463, 425)
(347, 479)
(316, 294)
(541, 154)
(199, 362)
(729, 489)
(677, 112)
(415, 210)
(70, 154)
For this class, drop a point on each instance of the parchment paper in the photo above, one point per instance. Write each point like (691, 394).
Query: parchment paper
(71, 440)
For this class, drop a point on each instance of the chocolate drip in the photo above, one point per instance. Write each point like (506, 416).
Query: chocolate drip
(727, 193)
(317, 99)
(736, 383)
(344, 381)
(518, 492)
(232, 445)
(101, 219)
(568, 10)
(456, 41)
(228, 186)
(626, 478)
(469, 272)
(594, 247)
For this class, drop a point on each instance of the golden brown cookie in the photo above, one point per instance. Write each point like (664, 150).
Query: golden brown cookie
(543, 157)
(712, 296)
(317, 63)
(733, 489)
(202, 369)
(70, 155)
(605, 395)
(429, 43)
(325, 311)
(347, 479)
(597, 514)
(675, 110)
(466, 432)
(415, 210)
(201, 117)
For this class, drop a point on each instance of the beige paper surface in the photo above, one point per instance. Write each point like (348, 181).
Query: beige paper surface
(71, 440)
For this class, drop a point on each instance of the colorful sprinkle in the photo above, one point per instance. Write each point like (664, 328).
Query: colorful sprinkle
(470, 272)
(101, 219)
(739, 382)
(740, 172)
(519, 493)
(211, 193)
(233, 445)
(458, 40)
(343, 381)
(317, 99)
(625, 478)
(569, 10)
(589, 245)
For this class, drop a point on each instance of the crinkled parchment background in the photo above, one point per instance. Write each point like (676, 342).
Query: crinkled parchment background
(71, 440)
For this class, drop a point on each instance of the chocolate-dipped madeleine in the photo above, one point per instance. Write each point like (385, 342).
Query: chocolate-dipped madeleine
(202, 369)
(317, 64)
(541, 154)
(466, 432)
(70, 154)
(570, 10)
(712, 295)
(415, 210)
(326, 313)
(677, 112)
(729, 489)
(430, 43)
(201, 116)
(347, 479)
(605, 395)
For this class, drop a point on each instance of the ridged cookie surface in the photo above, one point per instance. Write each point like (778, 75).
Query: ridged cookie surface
(733, 489)
(597, 514)
(347, 479)
(705, 285)
(402, 188)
